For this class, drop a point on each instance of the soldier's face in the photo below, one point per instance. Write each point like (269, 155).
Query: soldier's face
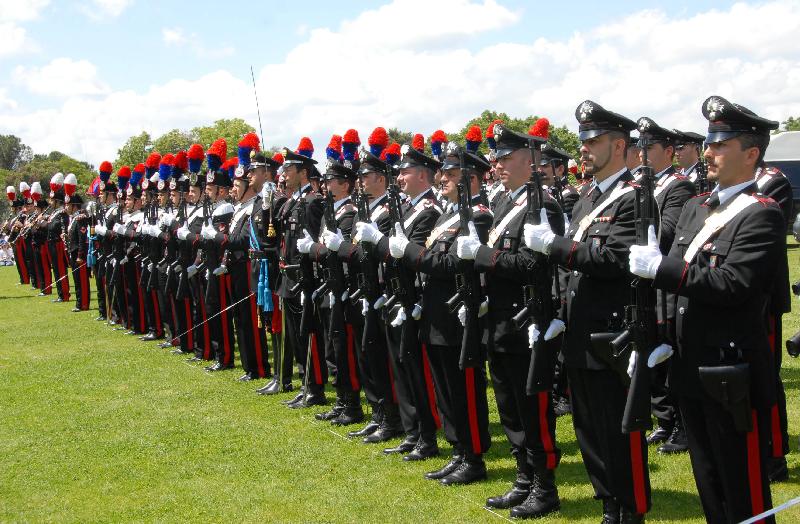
(129, 203)
(686, 155)
(549, 173)
(374, 184)
(223, 193)
(632, 158)
(514, 169)
(239, 188)
(292, 176)
(658, 156)
(176, 197)
(211, 191)
(729, 164)
(194, 194)
(411, 181)
(162, 198)
(338, 188)
(596, 153)
(257, 177)
(449, 183)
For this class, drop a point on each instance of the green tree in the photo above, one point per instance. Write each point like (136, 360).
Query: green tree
(13, 153)
(399, 136)
(135, 150)
(791, 124)
(232, 130)
(174, 141)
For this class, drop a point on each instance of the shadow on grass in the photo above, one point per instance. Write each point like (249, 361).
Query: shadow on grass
(20, 296)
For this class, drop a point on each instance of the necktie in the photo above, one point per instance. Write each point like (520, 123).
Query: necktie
(713, 201)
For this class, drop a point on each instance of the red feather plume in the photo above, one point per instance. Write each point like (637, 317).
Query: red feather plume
(195, 152)
(105, 167)
(277, 157)
(438, 136)
(540, 128)
(305, 144)
(378, 137)
(418, 142)
(181, 161)
(219, 149)
(168, 159)
(490, 129)
(336, 143)
(125, 172)
(474, 134)
(153, 160)
(392, 149)
(139, 168)
(351, 137)
(250, 140)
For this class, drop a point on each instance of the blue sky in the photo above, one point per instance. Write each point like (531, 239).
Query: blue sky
(82, 76)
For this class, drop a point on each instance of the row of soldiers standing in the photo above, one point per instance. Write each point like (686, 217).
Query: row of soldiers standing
(400, 274)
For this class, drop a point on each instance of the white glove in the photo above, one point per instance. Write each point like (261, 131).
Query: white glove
(555, 328)
(304, 244)
(368, 232)
(191, 271)
(533, 335)
(364, 306)
(302, 298)
(167, 219)
(266, 191)
(398, 243)
(416, 313)
(151, 266)
(462, 315)
(119, 228)
(208, 232)
(123, 261)
(566, 222)
(153, 230)
(183, 233)
(332, 240)
(345, 295)
(100, 230)
(331, 299)
(467, 245)
(539, 237)
(661, 353)
(484, 308)
(632, 364)
(644, 260)
(380, 301)
(399, 318)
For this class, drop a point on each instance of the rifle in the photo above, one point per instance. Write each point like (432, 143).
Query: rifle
(702, 175)
(468, 281)
(306, 281)
(206, 203)
(333, 274)
(540, 305)
(367, 280)
(640, 326)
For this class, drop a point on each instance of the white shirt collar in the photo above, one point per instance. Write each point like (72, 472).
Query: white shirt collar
(728, 193)
(416, 199)
(661, 173)
(296, 194)
(514, 194)
(340, 203)
(606, 184)
(376, 202)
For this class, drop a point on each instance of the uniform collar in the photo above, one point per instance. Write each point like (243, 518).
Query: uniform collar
(728, 193)
(296, 195)
(414, 201)
(376, 202)
(339, 203)
(609, 182)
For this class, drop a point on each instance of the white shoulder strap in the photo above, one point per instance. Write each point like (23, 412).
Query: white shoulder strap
(716, 221)
(621, 189)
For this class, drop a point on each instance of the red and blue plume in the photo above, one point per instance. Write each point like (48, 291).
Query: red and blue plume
(181, 163)
(247, 145)
(474, 138)
(418, 142)
(437, 139)
(540, 128)
(277, 157)
(123, 176)
(151, 164)
(378, 140)
(305, 148)
(334, 149)
(350, 143)
(195, 156)
(391, 155)
(216, 154)
(165, 166)
(138, 173)
(230, 166)
(105, 171)
(490, 134)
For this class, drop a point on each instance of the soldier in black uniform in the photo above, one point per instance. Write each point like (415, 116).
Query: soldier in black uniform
(527, 419)
(671, 192)
(723, 265)
(78, 244)
(410, 363)
(595, 250)
(57, 223)
(461, 392)
(129, 235)
(553, 166)
(687, 153)
(105, 208)
(304, 347)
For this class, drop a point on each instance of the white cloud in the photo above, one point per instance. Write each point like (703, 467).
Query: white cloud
(21, 10)
(5, 102)
(177, 37)
(62, 77)
(101, 9)
(652, 63)
(173, 36)
(15, 39)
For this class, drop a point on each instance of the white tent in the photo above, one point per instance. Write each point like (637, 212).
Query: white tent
(783, 146)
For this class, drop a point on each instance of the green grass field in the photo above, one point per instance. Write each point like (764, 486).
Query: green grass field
(96, 426)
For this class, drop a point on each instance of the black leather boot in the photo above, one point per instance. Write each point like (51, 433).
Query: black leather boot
(543, 498)
(426, 448)
(352, 412)
(519, 490)
(455, 460)
(406, 446)
(297, 398)
(472, 469)
(610, 512)
(626, 516)
(335, 411)
(677, 441)
(372, 426)
(389, 428)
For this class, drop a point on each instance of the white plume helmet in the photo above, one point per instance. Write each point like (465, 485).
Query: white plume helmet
(223, 209)
(23, 186)
(36, 188)
(57, 181)
(70, 184)
(11, 192)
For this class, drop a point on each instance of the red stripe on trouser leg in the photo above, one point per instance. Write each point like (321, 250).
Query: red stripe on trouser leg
(157, 314)
(84, 274)
(188, 316)
(206, 330)
(256, 335)
(175, 340)
(637, 472)
(472, 411)
(223, 303)
(777, 436)
(543, 398)
(140, 291)
(426, 370)
(391, 379)
(315, 363)
(351, 358)
(44, 255)
(21, 260)
(277, 315)
(63, 283)
(754, 468)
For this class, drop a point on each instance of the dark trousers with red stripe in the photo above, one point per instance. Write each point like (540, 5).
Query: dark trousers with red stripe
(528, 421)
(461, 396)
(21, 259)
(99, 271)
(779, 425)
(136, 303)
(218, 298)
(30, 260)
(342, 338)
(308, 350)
(412, 380)
(730, 467)
(252, 340)
(80, 276)
(374, 362)
(201, 333)
(59, 263)
(616, 462)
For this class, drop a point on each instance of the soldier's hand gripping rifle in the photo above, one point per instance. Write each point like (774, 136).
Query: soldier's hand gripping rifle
(306, 280)
(333, 273)
(468, 281)
(201, 253)
(541, 307)
(640, 332)
(367, 279)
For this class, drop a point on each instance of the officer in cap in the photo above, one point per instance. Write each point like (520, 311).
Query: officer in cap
(688, 153)
(595, 250)
(553, 166)
(632, 159)
(78, 243)
(723, 265)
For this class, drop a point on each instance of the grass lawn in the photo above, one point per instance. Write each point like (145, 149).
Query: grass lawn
(97, 426)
